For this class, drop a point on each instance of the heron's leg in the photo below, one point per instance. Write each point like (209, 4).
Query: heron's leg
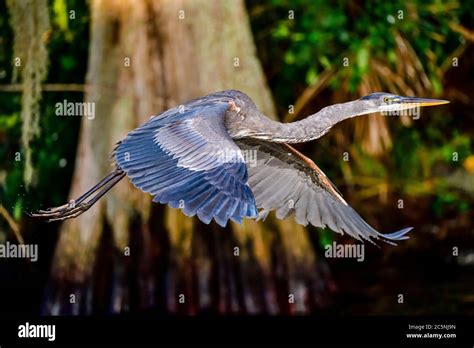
(81, 198)
(84, 206)
(67, 211)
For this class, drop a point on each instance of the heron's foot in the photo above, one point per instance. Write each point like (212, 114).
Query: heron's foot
(69, 205)
(62, 212)
(77, 206)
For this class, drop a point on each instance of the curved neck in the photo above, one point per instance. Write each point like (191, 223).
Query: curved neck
(313, 126)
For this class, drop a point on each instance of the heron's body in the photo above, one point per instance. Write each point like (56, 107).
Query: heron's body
(192, 157)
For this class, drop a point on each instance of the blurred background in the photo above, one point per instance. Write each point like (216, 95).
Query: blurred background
(133, 59)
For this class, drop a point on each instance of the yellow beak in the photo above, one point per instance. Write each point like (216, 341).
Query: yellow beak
(423, 101)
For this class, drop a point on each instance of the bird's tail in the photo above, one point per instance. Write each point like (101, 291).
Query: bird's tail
(76, 207)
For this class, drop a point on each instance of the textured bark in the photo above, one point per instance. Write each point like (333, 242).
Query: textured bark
(176, 50)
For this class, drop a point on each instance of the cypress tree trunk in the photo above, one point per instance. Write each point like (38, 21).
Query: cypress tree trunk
(125, 253)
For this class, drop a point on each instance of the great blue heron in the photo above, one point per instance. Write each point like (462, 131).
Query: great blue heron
(192, 157)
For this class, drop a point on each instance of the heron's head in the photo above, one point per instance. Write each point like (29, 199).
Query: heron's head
(386, 102)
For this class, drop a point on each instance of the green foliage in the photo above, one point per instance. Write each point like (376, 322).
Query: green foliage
(30, 24)
(68, 51)
(309, 37)
(326, 237)
(299, 40)
(60, 14)
(448, 202)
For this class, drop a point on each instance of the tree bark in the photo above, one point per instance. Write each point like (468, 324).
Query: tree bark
(125, 253)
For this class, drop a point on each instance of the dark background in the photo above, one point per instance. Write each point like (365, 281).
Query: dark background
(428, 163)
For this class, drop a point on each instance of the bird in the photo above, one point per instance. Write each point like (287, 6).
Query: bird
(195, 157)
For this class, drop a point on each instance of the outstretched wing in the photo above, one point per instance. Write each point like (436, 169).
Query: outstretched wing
(284, 180)
(185, 158)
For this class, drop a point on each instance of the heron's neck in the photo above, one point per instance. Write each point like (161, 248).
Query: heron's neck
(313, 126)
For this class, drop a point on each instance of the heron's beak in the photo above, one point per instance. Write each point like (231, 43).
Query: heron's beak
(422, 101)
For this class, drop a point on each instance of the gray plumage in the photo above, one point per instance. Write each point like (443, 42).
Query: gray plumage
(192, 157)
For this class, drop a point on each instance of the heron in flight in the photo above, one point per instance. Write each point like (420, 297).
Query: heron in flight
(192, 157)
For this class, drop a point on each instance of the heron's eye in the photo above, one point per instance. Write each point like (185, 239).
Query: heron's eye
(386, 99)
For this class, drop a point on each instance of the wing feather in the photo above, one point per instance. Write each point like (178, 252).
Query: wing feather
(290, 183)
(178, 157)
